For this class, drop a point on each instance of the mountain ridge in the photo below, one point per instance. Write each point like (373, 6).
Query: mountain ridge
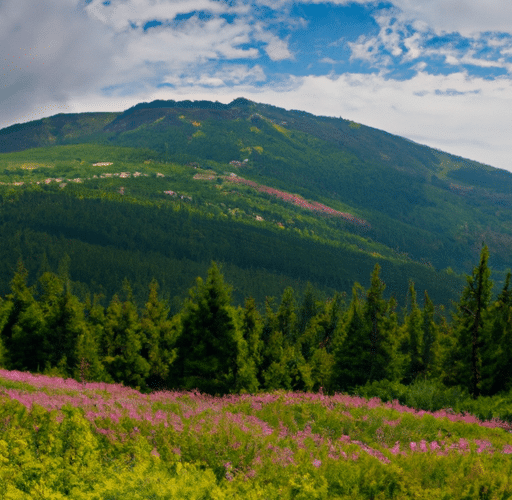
(421, 203)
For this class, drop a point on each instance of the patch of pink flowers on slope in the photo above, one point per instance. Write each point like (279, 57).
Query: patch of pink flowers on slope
(114, 401)
(299, 201)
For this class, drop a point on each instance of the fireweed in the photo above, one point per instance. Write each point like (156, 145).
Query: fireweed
(267, 440)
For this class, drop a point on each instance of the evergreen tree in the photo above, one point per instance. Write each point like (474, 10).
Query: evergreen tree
(89, 367)
(251, 357)
(412, 343)
(351, 349)
(287, 317)
(322, 366)
(430, 333)
(123, 337)
(276, 354)
(23, 331)
(497, 347)
(208, 344)
(308, 309)
(64, 322)
(470, 321)
(374, 317)
(159, 334)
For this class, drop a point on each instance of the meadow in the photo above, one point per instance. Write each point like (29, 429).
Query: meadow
(60, 438)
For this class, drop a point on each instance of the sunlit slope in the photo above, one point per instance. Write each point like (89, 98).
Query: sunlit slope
(431, 206)
(118, 213)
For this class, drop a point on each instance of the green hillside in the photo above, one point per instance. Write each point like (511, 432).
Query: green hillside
(246, 178)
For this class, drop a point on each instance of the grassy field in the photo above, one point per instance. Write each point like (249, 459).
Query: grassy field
(65, 439)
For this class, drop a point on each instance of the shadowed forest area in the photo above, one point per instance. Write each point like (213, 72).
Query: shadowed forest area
(300, 343)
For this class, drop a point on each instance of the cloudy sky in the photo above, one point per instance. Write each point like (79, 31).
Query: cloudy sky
(438, 72)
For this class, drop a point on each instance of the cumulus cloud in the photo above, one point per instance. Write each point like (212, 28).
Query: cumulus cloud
(50, 50)
(467, 17)
(453, 112)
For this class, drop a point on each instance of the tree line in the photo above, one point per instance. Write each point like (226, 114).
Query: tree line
(299, 344)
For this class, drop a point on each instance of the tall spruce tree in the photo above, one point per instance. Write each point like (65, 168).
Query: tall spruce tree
(123, 337)
(252, 347)
(208, 344)
(24, 326)
(308, 308)
(159, 334)
(378, 328)
(351, 349)
(497, 348)
(412, 343)
(430, 331)
(470, 322)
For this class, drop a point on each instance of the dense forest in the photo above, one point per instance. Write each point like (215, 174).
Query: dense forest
(299, 343)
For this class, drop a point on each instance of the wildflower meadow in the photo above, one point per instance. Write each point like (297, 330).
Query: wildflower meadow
(60, 438)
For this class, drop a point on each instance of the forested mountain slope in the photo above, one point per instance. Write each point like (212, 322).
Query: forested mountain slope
(273, 179)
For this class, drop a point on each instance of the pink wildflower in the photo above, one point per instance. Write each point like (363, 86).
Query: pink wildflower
(395, 448)
(434, 446)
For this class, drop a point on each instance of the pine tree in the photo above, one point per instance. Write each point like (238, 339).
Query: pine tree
(89, 367)
(430, 333)
(497, 347)
(370, 342)
(64, 322)
(122, 333)
(351, 349)
(470, 321)
(251, 356)
(208, 345)
(374, 316)
(159, 334)
(308, 309)
(412, 333)
(23, 331)
(287, 317)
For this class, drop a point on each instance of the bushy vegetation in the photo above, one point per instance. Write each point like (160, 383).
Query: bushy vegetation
(142, 219)
(95, 440)
(366, 346)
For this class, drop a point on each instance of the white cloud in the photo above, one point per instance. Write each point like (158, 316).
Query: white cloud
(121, 14)
(473, 125)
(226, 75)
(467, 17)
(49, 51)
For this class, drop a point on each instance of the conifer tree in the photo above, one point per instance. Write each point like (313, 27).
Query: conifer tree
(287, 316)
(308, 309)
(412, 343)
(351, 350)
(122, 333)
(208, 345)
(374, 315)
(64, 322)
(273, 372)
(159, 334)
(370, 343)
(430, 333)
(497, 347)
(251, 356)
(23, 330)
(89, 367)
(470, 321)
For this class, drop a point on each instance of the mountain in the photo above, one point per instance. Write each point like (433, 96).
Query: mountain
(281, 197)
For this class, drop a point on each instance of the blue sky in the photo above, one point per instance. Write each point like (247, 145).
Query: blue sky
(436, 72)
